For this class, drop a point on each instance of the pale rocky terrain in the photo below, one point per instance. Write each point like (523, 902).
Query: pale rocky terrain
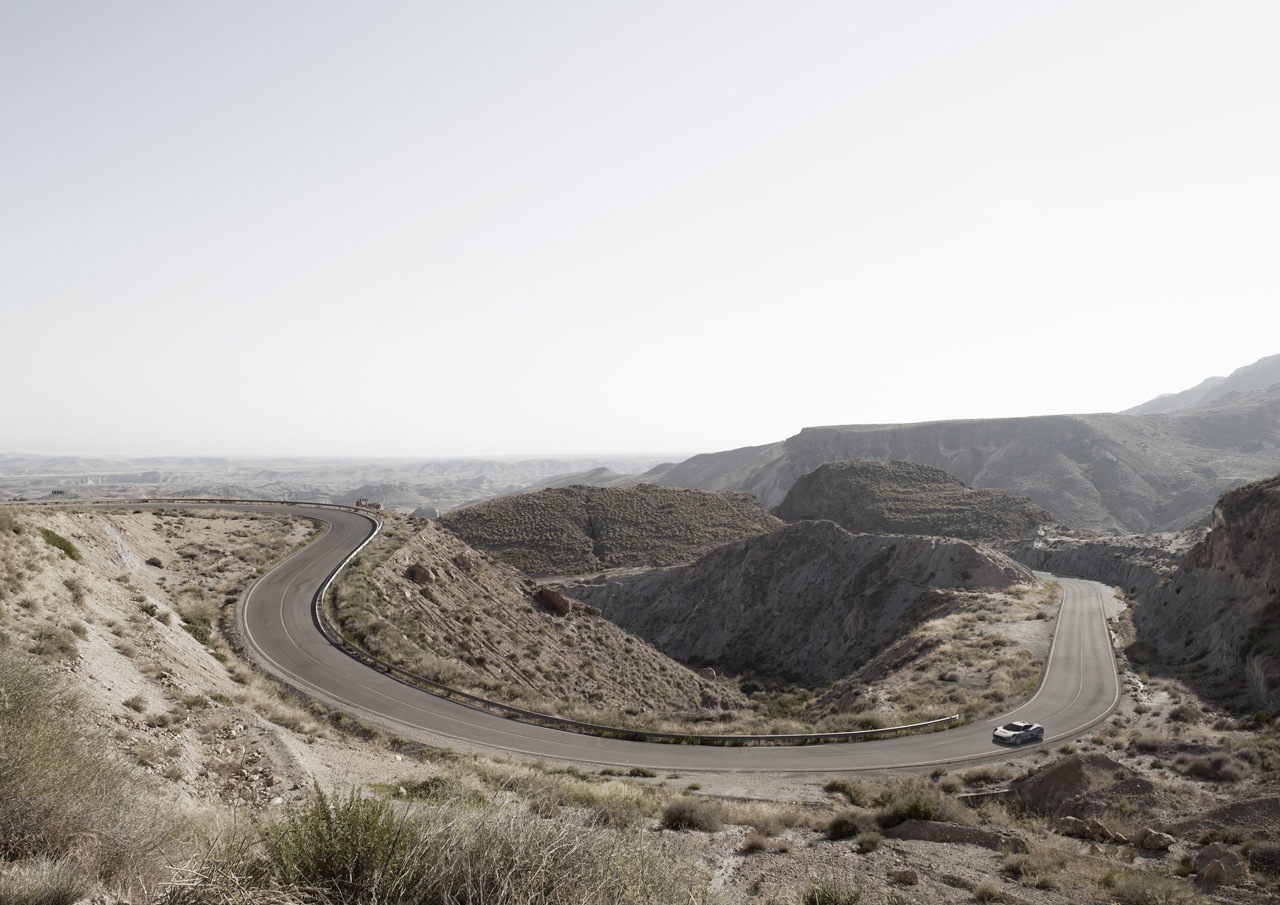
(190, 714)
(212, 735)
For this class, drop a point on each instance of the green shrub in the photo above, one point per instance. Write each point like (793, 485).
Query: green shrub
(53, 539)
(351, 849)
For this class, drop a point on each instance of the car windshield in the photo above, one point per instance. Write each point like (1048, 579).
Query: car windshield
(1014, 727)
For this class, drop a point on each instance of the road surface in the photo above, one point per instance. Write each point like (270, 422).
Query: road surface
(1079, 688)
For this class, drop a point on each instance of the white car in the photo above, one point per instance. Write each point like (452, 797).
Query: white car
(1018, 732)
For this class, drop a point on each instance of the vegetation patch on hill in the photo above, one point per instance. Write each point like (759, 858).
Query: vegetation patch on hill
(579, 530)
(907, 498)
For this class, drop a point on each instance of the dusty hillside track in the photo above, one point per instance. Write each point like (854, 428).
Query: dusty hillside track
(1079, 689)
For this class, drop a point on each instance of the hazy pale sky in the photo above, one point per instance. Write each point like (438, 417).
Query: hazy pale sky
(449, 228)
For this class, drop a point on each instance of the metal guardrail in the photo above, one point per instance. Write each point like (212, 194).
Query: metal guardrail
(335, 636)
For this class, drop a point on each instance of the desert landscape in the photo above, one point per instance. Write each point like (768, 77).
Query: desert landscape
(150, 755)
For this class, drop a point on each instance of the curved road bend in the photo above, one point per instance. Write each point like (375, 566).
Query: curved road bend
(1079, 688)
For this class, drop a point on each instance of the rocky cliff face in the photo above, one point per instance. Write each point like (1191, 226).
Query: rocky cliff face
(1113, 473)
(810, 600)
(906, 498)
(1217, 616)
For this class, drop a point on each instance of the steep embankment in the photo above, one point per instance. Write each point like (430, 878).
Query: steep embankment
(810, 600)
(907, 498)
(423, 599)
(1217, 616)
(1103, 472)
(579, 530)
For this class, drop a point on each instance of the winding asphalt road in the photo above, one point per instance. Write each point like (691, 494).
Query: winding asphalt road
(1079, 688)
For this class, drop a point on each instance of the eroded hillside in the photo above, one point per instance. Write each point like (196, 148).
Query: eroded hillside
(580, 530)
(428, 602)
(907, 498)
(809, 600)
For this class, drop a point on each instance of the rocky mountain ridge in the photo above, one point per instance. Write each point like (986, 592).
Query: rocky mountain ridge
(1111, 473)
(1261, 374)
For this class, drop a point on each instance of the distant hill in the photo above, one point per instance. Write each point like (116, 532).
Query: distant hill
(1261, 374)
(1104, 472)
(810, 600)
(580, 530)
(907, 498)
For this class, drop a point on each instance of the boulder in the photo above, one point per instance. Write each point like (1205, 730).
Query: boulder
(553, 600)
(1155, 842)
(419, 574)
(904, 877)
(1099, 832)
(1071, 826)
(1217, 864)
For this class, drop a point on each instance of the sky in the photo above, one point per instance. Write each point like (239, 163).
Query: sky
(497, 228)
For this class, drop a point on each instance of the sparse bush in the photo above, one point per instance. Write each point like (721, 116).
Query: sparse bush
(919, 801)
(848, 824)
(988, 890)
(643, 772)
(9, 522)
(42, 881)
(51, 641)
(830, 893)
(1038, 870)
(854, 791)
(155, 562)
(868, 841)
(361, 850)
(61, 797)
(1137, 887)
(1265, 856)
(137, 703)
(1218, 767)
(691, 813)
